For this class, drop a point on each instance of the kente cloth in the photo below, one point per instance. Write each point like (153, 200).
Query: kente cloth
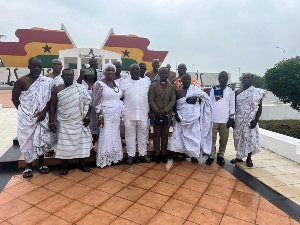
(58, 80)
(194, 82)
(94, 128)
(247, 140)
(194, 132)
(34, 137)
(107, 100)
(74, 139)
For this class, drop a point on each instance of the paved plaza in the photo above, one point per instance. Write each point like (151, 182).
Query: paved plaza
(150, 193)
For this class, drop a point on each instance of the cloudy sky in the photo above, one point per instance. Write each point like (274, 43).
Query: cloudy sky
(207, 35)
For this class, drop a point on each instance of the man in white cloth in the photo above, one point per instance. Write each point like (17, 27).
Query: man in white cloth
(193, 121)
(31, 95)
(56, 73)
(57, 80)
(248, 101)
(223, 100)
(136, 109)
(72, 104)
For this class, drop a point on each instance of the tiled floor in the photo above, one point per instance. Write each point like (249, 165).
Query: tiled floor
(277, 172)
(173, 193)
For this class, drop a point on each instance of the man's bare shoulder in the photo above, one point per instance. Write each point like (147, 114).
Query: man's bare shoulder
(58, 88)
(239, 91)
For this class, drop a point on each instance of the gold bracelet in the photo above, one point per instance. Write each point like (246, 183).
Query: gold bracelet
(49, 124)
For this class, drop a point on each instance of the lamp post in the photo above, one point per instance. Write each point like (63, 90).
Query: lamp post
(283, 52)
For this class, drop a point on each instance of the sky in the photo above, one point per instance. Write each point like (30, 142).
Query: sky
(206, 35)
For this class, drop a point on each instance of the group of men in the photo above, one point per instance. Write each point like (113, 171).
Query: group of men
(56, 109)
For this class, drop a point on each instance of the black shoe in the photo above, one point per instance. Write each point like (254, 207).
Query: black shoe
(221, 160)
(130, 160)
(209, 161)
(165, 159)
(93, 152)
(157, 159)
(194, 160)
(145, 158)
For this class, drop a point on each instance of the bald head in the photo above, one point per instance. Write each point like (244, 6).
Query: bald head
(56, 66)
(155, 64)
(181, 69)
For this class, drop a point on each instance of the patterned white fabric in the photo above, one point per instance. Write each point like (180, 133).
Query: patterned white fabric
(195, 129)
(247, 140)
(58, 80)
(108, 101)
(123, 76)
(74, 139)
(34, 138)
(93, 116)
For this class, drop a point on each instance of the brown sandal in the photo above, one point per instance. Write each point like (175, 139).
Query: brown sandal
(84, 168)
(64, 171)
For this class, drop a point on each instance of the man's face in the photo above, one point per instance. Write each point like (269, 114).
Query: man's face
(93, 63)
(163, 74)
(68, 77)
(155, 64)
(35, 67)
(186, 81)
(223, 78)
(247, 80)
(181, 69)
(169, 67)
(135, 72)
(57, 66)
(118, 68)
(143, 69)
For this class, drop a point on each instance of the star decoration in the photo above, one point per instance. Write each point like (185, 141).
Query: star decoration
(126, 53)
(47, 48)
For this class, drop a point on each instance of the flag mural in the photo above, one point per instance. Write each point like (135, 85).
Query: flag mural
(133, 49)
(36, 42)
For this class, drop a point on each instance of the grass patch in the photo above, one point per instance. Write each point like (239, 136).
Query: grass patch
(287, 127)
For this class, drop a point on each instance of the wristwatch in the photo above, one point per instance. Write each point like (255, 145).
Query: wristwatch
(198, 99)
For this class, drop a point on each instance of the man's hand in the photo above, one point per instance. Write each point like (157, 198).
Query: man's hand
(101, 123)
(86, 121)
(177, 118)
(253, 124)
(52, 128)
(161, 112)
(191, 100)
(41, 116)
(230, 124)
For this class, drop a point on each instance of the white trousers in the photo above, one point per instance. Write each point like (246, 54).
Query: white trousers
(136, 129)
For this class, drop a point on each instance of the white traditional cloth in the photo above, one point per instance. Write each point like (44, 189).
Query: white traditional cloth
(123, 76)
(100, 76)
(34, 138)
(108, 101)
(195, 129)
(223, 107)
(58, 80)
(94, 128)
(136, 109)
(74, 139)
(247, 140)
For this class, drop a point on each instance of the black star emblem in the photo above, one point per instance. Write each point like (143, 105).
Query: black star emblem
(47, 48)
(126, 53)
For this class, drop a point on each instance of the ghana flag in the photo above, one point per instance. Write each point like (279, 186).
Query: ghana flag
(133, 49)
(36, 42)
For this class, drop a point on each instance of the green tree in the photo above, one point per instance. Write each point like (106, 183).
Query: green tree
(284, 81)
(257, 82)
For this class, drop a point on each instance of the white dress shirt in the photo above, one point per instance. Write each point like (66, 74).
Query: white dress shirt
(135, 92)
(224, 106)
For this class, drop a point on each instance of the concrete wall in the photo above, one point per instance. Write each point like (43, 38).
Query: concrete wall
(283, 145)
(279, 111)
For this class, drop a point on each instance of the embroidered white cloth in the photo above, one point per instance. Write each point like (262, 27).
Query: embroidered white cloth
(74, 139)
(247, 140)
(34, 138)
(135, 92)
(123, 76)
(58, 80)
(108, 100)
(93, 116)
(195, 129)
(223, 107)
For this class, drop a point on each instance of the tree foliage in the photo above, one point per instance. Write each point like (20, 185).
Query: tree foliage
(257, 82)
(284, 81)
